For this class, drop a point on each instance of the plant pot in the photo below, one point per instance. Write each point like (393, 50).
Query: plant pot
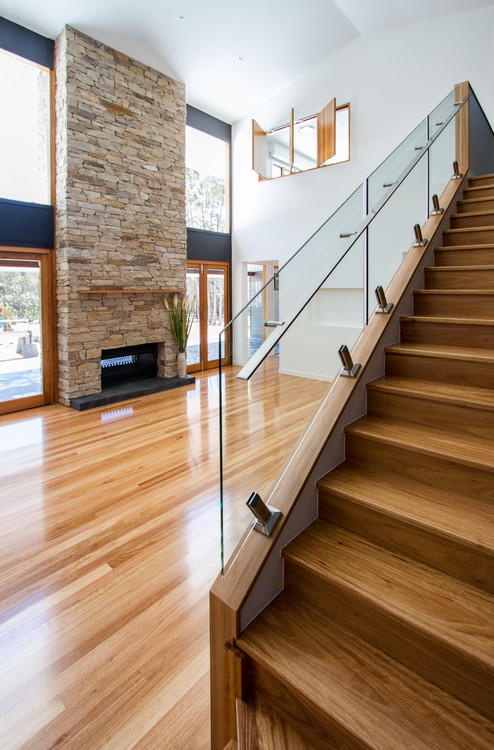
(182, 365)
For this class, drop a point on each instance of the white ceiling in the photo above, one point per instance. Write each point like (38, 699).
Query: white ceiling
(278, 40)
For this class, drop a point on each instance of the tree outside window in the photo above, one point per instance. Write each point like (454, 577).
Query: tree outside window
(206, 181)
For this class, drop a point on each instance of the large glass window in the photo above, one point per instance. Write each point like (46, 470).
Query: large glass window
(207, 167)
(24, 130)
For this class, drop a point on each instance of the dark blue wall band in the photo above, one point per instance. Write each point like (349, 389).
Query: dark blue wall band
(26, 224)
(204, 245)
(26, 43)
(209, 124)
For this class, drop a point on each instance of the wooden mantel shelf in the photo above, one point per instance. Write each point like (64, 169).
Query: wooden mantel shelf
(131, 291)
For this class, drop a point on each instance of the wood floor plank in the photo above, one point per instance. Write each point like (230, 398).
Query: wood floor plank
(109, 543)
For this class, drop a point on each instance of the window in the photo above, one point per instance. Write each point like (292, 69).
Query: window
(24, 130)
(314, 141)
(207, 167)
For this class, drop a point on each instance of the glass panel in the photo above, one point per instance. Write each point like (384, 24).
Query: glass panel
(303, 274)
(319, 300)
(206, 181)
(441, 113)
(442, 155)
(256, 317)
(193, 342)
(272, 410)
(279, 151)
(215, 310)
(300, 277)
(390, 170)
(20, 330)
(24, 130)
(305, 134)
(391, 233)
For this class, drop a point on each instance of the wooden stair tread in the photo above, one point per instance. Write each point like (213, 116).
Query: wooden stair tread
(440, 269)
(365, 692)
(455, 292)
(457, 230)
(451, 611)
(445, 444)
(463, 395)
(472, 213)
(467, 520)
(442, 351)
(474, 201)
(449, 248)
(456, 321)
(474, 190)
(259, 727)
(481, 177)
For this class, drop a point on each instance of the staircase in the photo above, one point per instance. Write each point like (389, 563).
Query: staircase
(383, 638)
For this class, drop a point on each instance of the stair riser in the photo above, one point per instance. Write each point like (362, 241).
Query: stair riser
(473, 307)
(462, 257)
(474, 182)
(473, 279)
(431, 470)
(321, 729)
(482, 236)
(481, 192)
(480, 204)
(432, 413)
(455, 371)
(482, 220)
(423, 544)
(456, 334)
(435, 660)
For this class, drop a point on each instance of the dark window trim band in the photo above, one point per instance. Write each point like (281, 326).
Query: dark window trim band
(26, 43)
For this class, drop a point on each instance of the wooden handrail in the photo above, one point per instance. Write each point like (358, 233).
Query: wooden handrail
(229, 594)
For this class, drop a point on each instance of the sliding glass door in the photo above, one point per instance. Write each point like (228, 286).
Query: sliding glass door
(25, 367)
(209, 284)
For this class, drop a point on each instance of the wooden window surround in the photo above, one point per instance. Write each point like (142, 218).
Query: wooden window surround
(322, 148)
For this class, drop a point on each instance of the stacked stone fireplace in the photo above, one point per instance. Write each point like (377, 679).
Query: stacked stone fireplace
(121, 237)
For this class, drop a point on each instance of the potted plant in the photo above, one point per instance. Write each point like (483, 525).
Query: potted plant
(181, 314)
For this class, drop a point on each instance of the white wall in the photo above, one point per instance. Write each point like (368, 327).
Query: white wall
(391, 79)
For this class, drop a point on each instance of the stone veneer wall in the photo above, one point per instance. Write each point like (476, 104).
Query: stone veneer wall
(120, 208)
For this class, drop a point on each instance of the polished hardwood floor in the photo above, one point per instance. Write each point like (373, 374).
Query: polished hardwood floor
(109, 542)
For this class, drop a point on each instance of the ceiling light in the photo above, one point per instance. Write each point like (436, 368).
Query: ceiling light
(240, 58)
(306, 129)
(182, 16)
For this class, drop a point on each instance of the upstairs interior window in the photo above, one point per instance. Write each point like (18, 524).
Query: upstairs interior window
(207, 166)
(297, 147)
(24, 130)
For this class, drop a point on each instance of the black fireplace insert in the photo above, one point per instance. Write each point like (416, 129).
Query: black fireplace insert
(128, 363)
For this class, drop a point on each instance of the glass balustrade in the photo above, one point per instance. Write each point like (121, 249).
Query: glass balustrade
(285, 341)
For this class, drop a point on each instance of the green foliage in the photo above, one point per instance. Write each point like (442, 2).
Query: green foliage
(181, 313)
(19, 292)
(205, 201)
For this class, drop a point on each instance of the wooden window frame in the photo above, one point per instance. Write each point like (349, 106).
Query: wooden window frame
(205, 364)
(46, 259)
(259, 144)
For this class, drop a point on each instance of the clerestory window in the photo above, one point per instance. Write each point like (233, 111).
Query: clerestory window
(207, 184)
(24, 130)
